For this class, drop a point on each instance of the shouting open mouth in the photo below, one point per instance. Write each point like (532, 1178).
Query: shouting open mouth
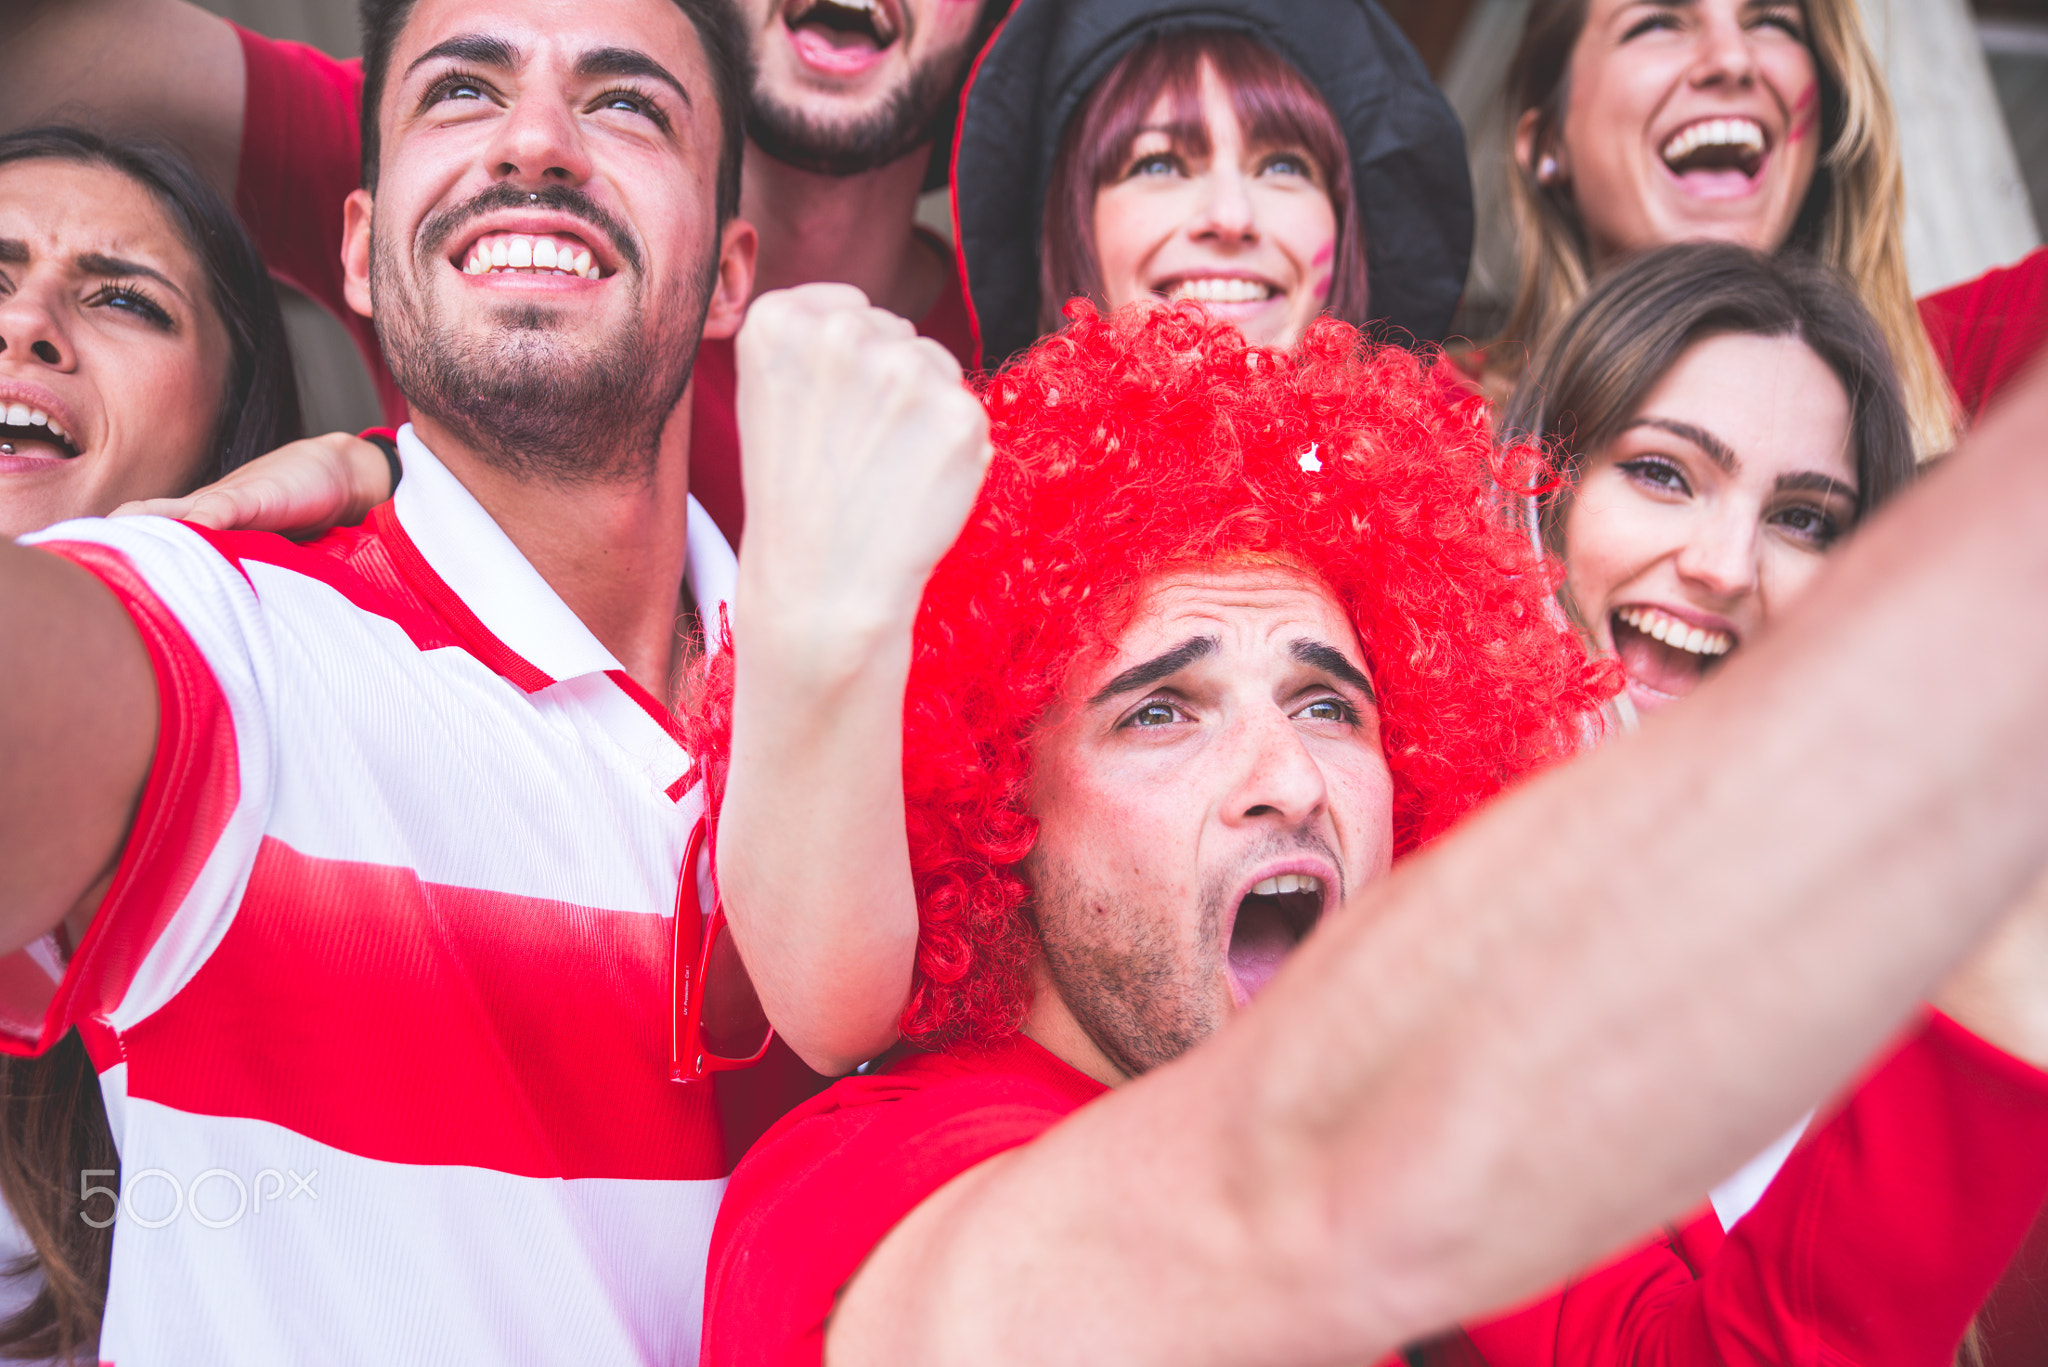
(1271, 920)
(842, 36)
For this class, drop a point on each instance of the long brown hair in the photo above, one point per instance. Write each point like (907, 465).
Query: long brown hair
(53, 1127)
(1853, 217)
(1275, 103)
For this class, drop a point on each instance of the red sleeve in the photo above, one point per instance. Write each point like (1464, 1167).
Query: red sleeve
(190, 793)
(1986, 330)
(821, 1189)
(1875, 1244)
(302, 152)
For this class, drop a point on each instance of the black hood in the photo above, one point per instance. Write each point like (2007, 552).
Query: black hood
(1408, 165)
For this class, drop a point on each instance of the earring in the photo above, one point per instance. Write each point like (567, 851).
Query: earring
(1546, 171)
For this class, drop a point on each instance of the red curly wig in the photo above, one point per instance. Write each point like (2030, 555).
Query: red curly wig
(1153, 439)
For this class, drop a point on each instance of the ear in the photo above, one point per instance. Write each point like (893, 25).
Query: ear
(734, 287)
(355, 251)
(1528, 152)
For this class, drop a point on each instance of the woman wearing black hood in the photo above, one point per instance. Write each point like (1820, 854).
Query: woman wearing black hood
(1270, 159)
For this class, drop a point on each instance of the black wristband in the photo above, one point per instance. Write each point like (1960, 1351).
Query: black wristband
(390, 450)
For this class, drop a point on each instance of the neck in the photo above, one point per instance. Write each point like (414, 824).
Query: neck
(850, 230)
(614, 551)
(1051, 1026)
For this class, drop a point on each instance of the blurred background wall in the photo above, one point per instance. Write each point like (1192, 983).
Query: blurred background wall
(1970, 78)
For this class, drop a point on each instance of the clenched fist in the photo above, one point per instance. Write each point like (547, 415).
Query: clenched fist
(861, 453)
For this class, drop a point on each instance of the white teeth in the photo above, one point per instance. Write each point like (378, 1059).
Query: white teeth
(1220, 290)
(1287, 882)
(1662, 626)
(1715, 133)
(516, 252)
(17, 415)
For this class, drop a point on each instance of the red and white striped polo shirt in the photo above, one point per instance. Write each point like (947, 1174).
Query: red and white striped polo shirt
(378, 997)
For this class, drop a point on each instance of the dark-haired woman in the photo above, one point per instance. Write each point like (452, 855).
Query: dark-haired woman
(141, 348)
(141, 354)
(1721, 420)
(1273, 160)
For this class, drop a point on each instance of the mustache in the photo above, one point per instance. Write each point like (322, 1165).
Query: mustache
(561, 199)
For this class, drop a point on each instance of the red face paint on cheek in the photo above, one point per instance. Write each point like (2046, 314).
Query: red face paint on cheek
(1322, 287)
(1322, 257)
(1805, 113)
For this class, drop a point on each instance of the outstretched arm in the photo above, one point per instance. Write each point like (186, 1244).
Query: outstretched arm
(861, 453)
(77, 729)
(163, 68)
(1559, 1025)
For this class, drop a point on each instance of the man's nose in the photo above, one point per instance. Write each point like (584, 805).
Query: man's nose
(32, 330)
(540, 141)
(1276, 778)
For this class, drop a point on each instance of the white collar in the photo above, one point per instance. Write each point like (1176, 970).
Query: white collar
(464, 545)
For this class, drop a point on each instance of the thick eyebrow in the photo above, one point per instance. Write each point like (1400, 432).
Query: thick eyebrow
(625, 61)
(98, 263)
(1143, 676)
(1718, 451)
(13, 251)
(1331, 661)
(1813, 482)
(477, 49)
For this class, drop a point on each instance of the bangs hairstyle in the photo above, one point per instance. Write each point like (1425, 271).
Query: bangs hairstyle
(1274, 103)
(258, 411)
(1853, 217)
(1637, 323)
(725, 54)
(1158, 439)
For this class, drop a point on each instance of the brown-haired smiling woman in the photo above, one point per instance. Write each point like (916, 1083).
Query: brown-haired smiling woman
(1272, 160)
(141, 348)
(1641, 123)
(1720, 419)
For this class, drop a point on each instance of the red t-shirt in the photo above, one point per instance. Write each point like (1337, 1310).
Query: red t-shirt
(1875, 1244)
(822, 1188)
(1986, 330)
(301, 156)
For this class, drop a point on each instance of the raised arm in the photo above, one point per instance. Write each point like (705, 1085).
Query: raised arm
(861, 455)
(77, 729)
(1561, 1024)
(163, 68)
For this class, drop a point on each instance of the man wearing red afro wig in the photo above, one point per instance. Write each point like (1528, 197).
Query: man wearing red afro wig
(1226, 633)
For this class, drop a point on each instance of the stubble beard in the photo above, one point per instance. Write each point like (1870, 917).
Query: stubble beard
(1120, 972)
(527, 398)
(848, 147)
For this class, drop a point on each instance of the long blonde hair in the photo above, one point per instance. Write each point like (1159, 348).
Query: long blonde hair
(1853, 218)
